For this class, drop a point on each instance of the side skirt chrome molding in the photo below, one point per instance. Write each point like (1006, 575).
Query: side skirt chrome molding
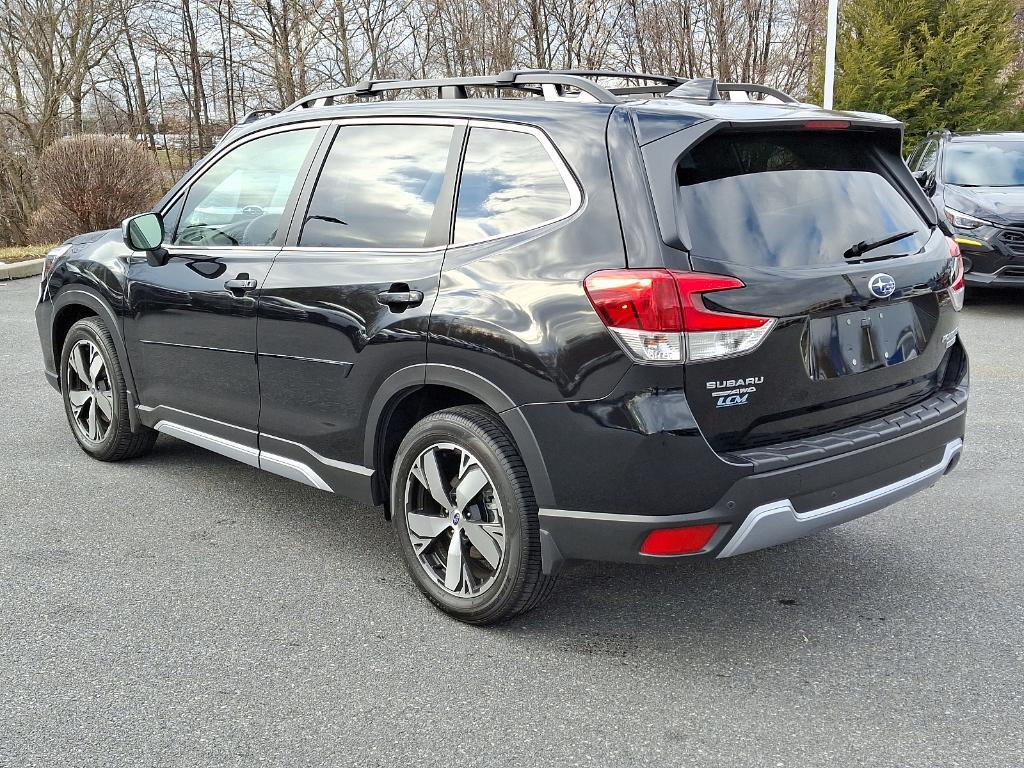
(271, 462)
(232, 450)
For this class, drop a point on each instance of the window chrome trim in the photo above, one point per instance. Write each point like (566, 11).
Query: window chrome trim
(327, 251)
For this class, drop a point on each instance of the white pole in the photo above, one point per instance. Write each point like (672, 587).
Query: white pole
(830, 51)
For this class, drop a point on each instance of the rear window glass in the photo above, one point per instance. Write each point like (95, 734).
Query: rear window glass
(791, 199)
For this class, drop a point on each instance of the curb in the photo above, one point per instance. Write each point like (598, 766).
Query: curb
(22, 269)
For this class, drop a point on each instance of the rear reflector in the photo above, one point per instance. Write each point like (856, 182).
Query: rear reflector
(678, 541)
(659, 316)
(957, 286)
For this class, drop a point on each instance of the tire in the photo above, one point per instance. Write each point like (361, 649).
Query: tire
(95, 396)
(495, 517)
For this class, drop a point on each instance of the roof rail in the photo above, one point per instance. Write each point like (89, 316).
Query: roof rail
(622, 74)
(549, 83)
(256, 114)
(455, 87)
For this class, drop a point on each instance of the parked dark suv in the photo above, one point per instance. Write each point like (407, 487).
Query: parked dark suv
(976, 180)
(625, 323)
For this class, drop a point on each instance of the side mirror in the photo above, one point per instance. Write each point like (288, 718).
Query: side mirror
(145, 232)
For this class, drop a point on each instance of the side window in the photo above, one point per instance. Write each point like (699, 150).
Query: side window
(171, 218)
(240, 199)
(914, 157)
(378, 187)
(509, 183)
(928, 157)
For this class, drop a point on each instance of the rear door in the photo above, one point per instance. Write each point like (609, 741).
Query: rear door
(348, 300)
(820, 228)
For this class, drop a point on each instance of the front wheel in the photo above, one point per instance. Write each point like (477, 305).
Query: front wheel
(95, 396)
(466, 519)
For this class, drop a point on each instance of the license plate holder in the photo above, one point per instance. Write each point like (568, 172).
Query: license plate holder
(864, 340)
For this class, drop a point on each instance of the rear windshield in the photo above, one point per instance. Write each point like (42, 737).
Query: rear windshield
(792, 199)
(988, 164)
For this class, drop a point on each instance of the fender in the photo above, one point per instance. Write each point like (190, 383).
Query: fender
(77, 294)
(414, 376)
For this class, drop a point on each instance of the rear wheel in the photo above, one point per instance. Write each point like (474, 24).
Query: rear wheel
(463, 508)
(95, 395)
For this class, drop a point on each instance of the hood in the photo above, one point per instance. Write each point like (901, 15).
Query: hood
(1000, 205)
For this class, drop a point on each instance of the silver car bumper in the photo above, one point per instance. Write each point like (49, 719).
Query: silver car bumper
(778, 522)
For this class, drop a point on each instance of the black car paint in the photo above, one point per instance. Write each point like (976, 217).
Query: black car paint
(310, 365)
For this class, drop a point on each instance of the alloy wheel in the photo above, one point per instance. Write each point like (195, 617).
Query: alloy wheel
(454, 519)
(88, 389)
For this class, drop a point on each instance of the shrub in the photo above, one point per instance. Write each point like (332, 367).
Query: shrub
(91, 182)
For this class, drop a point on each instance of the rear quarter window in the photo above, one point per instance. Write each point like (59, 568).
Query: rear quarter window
(790, 199)
(509, 183)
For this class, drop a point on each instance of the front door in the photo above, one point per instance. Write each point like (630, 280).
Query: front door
(191, 326)
(347, 302)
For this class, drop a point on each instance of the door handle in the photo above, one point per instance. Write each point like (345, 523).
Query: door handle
(400, 299)
(241, 283)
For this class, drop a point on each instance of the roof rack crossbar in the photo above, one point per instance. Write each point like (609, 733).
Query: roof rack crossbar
(519, 80)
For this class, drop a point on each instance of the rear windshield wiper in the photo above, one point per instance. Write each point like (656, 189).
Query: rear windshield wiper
(854, 251)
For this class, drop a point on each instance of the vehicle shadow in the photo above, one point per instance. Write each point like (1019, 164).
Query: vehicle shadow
(772, 598)
(787, 593)
(993, 298)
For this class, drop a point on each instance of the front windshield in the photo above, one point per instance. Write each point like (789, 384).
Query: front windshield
(988, 164)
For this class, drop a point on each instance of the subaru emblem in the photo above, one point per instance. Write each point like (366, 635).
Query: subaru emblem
(455, 519)
(882, 285)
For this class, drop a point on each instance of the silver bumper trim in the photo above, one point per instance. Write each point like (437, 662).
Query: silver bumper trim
(778, 522)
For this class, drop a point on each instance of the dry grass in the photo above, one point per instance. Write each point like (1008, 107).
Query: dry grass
(16, 253)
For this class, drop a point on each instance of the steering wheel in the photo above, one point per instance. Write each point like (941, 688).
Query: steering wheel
(192, 237)
(202, 234)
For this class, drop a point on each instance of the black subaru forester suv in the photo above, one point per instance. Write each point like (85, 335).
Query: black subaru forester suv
(624, 323)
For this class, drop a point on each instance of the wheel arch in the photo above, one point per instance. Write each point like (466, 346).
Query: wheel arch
(74, 304)
(411, 393)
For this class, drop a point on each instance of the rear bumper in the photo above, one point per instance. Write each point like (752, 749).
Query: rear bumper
(779, 521)
(770, 508)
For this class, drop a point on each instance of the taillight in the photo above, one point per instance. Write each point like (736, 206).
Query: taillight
(957, 285)
(678, 541)
(659, 316)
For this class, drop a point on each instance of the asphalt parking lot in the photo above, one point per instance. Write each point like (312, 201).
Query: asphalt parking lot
(185, 610)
